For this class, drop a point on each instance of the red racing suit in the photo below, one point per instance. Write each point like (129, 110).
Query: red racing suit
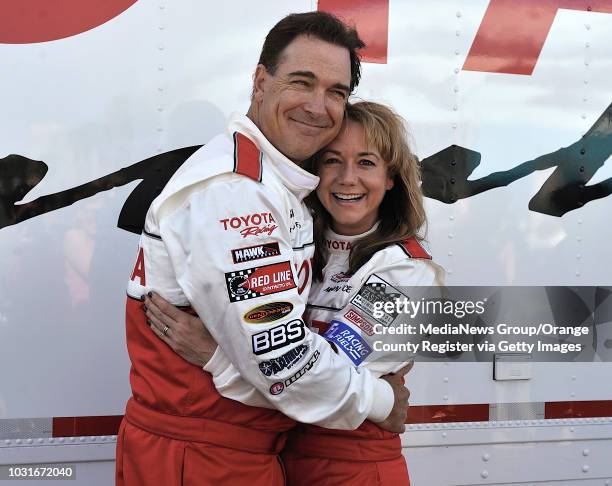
(230, 236)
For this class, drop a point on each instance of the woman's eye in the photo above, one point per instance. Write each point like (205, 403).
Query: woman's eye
(366, 162)
(331, 160)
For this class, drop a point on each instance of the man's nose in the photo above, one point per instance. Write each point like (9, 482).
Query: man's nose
(316, 104)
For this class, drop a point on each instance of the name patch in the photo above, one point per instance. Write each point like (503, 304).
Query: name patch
(256, 282)
(250, 253)
(347, 339)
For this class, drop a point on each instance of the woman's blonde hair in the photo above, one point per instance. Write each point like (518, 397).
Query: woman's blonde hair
(401, 213)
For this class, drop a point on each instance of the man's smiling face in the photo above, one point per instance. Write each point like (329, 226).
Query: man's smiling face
(300, 107)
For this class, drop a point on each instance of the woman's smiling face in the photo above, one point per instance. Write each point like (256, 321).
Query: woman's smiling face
(353, 182)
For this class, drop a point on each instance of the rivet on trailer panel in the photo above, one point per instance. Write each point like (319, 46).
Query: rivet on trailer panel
(585, 468)
(486, 457)
(446, 377)
(40, 441)
(573, 377)
(50, 440)
(456, 70)
(160, 47)
(29, 441)
(458, 15)
(457, 52)
(7, 442)
(82, 439)
(161, 27)
(458, 33)
(585, 452)
(445, 398)
(61, 440)
(587, 26)
(18, 441)
(93, 438)
(571, 429)
(484, 474)
(162, 6)
(444, 434)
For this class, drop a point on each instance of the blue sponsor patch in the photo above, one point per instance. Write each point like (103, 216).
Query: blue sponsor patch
(349, 340)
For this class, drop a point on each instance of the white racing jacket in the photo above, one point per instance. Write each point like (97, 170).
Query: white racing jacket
(340, 307)
(230, 236)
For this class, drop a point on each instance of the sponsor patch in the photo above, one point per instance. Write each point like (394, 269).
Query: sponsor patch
(255, 282)
(360, 321)
(286, 361)
(376, 290)
(250, 224)
(347, 339)
(250, 253)
(340, 277)
(278, 337)
(268, 312)
(279, 386)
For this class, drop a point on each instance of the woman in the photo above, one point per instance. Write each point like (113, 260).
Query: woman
(368, 212)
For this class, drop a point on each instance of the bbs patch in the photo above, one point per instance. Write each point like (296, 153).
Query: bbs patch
(258, 281)
(278, 337)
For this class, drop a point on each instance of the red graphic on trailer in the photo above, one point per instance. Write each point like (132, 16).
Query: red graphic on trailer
(259, 281)
(31, 21)
(370, 17)
(512, 33)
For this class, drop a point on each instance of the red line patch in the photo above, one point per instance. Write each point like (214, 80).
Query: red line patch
(256, 282)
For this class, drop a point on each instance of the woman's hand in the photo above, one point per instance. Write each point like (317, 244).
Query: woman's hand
(183, 332)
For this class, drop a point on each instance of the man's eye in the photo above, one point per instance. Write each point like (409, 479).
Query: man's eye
(301, 82)
(339, 94)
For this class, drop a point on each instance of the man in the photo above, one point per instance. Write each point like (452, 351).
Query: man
(230, 236)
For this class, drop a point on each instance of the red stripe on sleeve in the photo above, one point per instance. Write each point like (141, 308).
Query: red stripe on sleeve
(248, 161)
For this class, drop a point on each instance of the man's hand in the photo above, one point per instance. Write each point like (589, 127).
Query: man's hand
(396, 421)
(183, 332)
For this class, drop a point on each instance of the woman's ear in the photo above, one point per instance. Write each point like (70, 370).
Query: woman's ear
(390, 183)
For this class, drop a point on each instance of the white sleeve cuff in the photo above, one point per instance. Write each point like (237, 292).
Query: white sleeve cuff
(383, 401)
(217, 363)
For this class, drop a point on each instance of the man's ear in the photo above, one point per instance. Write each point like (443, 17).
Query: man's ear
(260, 79)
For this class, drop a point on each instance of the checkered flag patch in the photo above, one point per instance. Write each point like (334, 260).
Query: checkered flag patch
(238, 285)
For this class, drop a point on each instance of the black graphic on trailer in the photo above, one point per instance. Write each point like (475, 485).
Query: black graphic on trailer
(445, 178)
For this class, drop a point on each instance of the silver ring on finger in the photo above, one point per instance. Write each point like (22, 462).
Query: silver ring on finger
(165, 331)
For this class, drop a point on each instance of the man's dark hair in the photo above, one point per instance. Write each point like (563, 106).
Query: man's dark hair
(323, 26)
